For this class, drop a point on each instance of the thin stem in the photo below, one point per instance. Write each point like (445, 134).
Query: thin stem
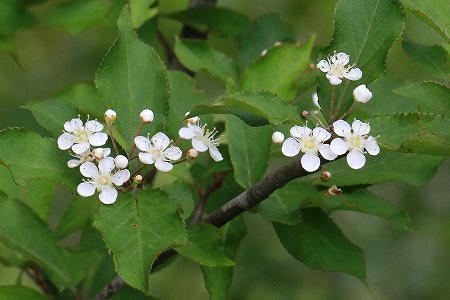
(134, 144)
(113, 141)
(333, 93)
(180, 161)
(146, 176)
(316, 119)
(349, 110)
(341, 101)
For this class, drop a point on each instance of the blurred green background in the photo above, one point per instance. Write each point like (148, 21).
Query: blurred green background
(413, 265)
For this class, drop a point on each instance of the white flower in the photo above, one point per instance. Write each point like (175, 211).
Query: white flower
(310, 142)
(121, 162)
(277, 137)
(315, 100)
(156, 151)
(79, 137)
(202, 139)
(355, 140)
(362, 94)
(335, 67)
(102, 179)
(146, 116)
(88, 156)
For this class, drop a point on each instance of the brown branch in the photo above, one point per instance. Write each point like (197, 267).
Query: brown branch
(111, 288)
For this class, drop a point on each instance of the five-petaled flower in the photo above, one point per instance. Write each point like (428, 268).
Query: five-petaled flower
(79, 137)
(87, 156)
(201, 138)
(336, 68)
(157, 151)
(102, 179)
(355, 140)
(310, 142)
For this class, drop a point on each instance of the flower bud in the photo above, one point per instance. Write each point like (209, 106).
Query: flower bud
(121, 162)
(192, 153)
(146, 116)
(334, 191)
(110, 116)
(137, 179)
(192, 120)
(98, 153)
(264, 52)
(362, 94)
(277, 137)
(276, 44)
(304, 114)
(325, 176)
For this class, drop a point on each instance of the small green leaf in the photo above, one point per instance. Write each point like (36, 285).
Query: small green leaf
(23, 231)
(14, 15)
(254, 108)
(141, 11)
(278, 70)
(221, 21)
(428, 96)
(198, 55)
(138, 230)
(319, 243)
(262, 34)
(182, 193)
(218, 279)
(131, 78)
(203, 246)
(249, 162)
(52, 114)
(20, 292)
(30, 157)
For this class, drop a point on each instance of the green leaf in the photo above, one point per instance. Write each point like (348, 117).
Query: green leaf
(97, 278)
(78, 15)
(182, 193)
(20, 292)
(141, 11)
(30, 157)
(435, 13)
(221, 21)
(249, 162)
(432, 58)
(14, 15)
(278, 70)
(218, 279)
(425, 133)
(183, 97)
(23, 231)
(428, 96)
(138, 230)
(199, 55)
(131, 78)
(203, 246)
(319, 243)
(365, 30)
(262, 34)
(127, 293)
(52, 114)
(254, 108)
(80, 263)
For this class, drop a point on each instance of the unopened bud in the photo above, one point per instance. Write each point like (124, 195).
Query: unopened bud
(146, 116)
(276, 44)
(121, 161)
(192, 153)
(98, 153)
(362, 94)
(264, 52)
(110, 116)
(334, 191)
(305, 114)
(325, 176)
(277, 137)
(192, 120)
(137, 179)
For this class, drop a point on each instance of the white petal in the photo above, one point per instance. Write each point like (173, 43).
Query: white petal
(199, 145)
(65, 141)
(353, 74)
(163, 166)
(76, 124)
(356, 159)
(106, 152)
(120, 177)
(360, 127)
(310, 162)
(94, 126)
(80, 148)
(160, 140)
(362, 94)
(108, 195)
(98, 139)
(338, 146)
(371, 145)
(215, 154)
(341, 58)
(146, 158)
(291, 147)
(89, 169)
(186, 133)
(68, 126)
(106, 165)
(323, 66)
(326, 152)
(320, 134)
(173, 153)
(142, 143)
(300, 131)
(342, 128)
(315, 99)
(86, 189)
(73, 163)
(334, 80)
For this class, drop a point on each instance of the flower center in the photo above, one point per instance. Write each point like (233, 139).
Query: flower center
(103, 180)
(338, 70)
(82, 135)
(156, 153)
(356, 142)
(309, 145)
